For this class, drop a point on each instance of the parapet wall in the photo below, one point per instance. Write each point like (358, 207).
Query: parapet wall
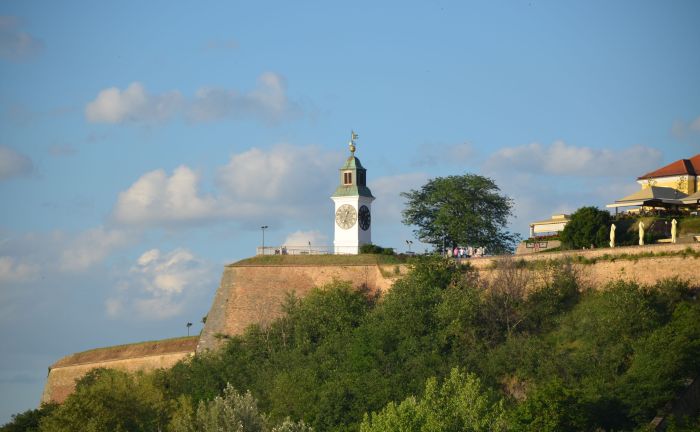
(597, 267)
(254, 294)
(145, 356)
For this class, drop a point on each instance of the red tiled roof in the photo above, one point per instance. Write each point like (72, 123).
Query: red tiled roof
(680, 167)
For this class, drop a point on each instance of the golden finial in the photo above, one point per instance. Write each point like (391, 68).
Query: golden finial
(353, 137)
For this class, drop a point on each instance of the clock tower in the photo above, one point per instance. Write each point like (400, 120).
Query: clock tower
(353, 204)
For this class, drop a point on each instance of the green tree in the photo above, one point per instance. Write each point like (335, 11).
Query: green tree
(550, 407)
(663, 361)
(460, 210)
(28, 421)
(110, 400)
(231, 412)
(460, 403)
(588, 226)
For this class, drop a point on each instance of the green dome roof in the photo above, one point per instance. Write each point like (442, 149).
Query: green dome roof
(352, 163)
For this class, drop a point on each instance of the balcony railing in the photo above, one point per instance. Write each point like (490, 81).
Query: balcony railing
(293, 250)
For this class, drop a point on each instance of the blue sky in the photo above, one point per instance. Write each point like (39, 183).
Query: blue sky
(143, 144)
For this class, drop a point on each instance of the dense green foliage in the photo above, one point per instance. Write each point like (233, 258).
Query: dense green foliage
(28, 421)
(232, 412)
(370, 248)
(444, 350)
(460, 210)
(588, 227)
(459, 404)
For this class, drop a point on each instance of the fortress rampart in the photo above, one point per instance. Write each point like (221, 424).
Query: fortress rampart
(252, 293)
(597, 267)
(145, 356)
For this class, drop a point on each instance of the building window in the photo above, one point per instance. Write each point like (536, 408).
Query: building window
(347, 178)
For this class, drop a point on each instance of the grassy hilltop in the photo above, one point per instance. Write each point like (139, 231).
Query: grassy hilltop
(323, 260)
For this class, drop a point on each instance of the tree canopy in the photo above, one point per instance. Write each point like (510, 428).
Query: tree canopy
(588, 226)
(460, 210)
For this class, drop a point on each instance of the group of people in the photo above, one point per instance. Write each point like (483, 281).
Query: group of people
(464, 252)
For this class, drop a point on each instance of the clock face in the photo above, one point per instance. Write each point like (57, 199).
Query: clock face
(345, 216)
(365, 218)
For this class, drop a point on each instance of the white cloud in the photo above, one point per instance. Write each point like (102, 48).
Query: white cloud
(284, 174)
(158, 308)
(92, 247)
(686, 130)
(156, 198)
(695, 125)
(304, 238)
(160, 285)
(16, 45)
(277, 183)
(114, 307)
(148, 257)
(268, 102)
(13, 270)
(13, 163)
(388, 189)
(133, 104)
(563, 159)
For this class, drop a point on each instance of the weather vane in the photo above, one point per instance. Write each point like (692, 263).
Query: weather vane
(353, 137)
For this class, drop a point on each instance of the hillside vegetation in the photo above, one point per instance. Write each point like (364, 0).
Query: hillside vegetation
(442, 351)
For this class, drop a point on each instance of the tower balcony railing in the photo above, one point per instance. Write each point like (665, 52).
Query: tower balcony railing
(294, 250)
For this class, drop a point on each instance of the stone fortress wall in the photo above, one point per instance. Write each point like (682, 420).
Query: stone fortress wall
(254, 294)
(145, 356)
(250, 294)
(630, 263)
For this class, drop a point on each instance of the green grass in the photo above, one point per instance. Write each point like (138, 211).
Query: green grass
(689, 225)
(323, 260)
(134, 344)
(579, 259)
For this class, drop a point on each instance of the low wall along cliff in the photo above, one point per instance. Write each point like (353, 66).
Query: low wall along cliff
(144, 356)
(597, 267)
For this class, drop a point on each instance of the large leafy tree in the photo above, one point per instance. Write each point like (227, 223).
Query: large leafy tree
(460, 210)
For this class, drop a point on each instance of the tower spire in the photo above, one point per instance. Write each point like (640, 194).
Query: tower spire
(351, 144)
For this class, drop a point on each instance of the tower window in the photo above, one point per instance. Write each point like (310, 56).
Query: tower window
(347, 178)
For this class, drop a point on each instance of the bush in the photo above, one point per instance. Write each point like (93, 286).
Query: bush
(370, 248)
(588, 226)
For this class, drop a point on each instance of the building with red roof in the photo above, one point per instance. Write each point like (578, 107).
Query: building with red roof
(676, 185)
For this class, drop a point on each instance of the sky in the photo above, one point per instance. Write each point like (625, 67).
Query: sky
(144, 144)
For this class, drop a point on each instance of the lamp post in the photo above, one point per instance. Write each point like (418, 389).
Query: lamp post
(189, 324)
(263, 228)
(409, 243)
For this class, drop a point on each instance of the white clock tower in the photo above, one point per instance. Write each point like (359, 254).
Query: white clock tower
(353, 204)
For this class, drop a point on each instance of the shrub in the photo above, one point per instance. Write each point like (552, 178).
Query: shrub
(370, 248)
(588, 226)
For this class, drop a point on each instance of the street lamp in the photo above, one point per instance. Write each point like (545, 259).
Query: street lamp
(263, 228)
(189, 324)
(409, 243)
